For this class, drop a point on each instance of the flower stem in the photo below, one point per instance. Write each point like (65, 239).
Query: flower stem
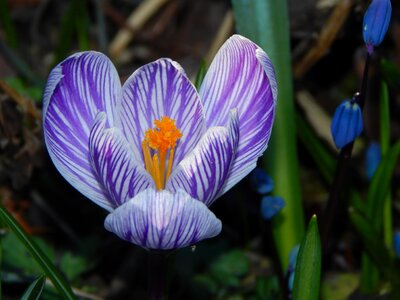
(158, 266)
(341, 168)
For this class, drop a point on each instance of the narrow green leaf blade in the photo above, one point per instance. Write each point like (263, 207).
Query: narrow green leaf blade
(200, 74)
(35, 289)
(321, 156)
(8, 26)
(380, 186)
(308, 267)
(377, 192)
(384, 116)
(47, 266)
(372, 242)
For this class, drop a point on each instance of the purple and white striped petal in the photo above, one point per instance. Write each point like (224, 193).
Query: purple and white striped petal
(203, 172)
(162, 220)
(77, 89)
(242, 77)
(111, 157)
(161, 89)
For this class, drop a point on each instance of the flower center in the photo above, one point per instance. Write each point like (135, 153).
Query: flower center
(158, 143)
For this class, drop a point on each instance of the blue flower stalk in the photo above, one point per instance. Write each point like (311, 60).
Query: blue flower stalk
(376, 22)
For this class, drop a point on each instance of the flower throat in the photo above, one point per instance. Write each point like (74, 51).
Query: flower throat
(159, 141)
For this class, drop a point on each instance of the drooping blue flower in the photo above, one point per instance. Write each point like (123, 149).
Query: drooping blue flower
(154, 152)
(373, 157)
(376, 23)
(396, 244)
(346, 123)
(261, 181)
(271, 205)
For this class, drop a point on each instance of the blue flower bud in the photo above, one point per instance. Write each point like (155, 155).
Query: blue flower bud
(347, 123)
(376, 23)
(396, 244)
(270, 206)
(372, 159)
(261, 181)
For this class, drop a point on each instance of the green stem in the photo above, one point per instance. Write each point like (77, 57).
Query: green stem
(158, 266)
(385, 143)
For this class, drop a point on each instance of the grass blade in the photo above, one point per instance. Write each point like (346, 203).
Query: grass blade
(47, 266)
(35, 289)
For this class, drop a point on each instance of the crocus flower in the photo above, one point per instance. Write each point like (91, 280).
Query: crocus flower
(376, 23)
(155, 152)
(346, 123)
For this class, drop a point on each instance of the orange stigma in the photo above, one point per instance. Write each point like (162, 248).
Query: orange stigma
(160, 140)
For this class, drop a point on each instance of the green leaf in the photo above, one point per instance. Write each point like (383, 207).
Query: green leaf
(372, 241)
(391, 72)
(41, 258)
(307, 278)
(228, 268)
(200, 74)
(384, 116)
(73, 265)
(267, 288)
(82, 25)
(266, 22)
(380, 186)
(35, 289)
(8, 26)
(17, 256)
(75, 20)
(322, 157)
(339, 285)
(34, 92)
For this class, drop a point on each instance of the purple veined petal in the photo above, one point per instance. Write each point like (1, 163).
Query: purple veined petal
(163, 220)
(203, 172)
(77, 89)
(112, 160)
(161, 89)
(242, 77)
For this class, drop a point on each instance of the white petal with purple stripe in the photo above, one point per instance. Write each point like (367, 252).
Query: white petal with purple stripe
(111, 157)
(77, 89)
(242, 77)
(204, 171)
(163, 220)
(161, 89)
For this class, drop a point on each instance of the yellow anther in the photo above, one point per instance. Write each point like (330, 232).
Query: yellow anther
(160, 139)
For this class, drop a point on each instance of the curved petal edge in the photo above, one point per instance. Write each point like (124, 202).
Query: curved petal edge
(162, 220)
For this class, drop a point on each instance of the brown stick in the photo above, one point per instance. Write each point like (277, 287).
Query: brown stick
(325, 39)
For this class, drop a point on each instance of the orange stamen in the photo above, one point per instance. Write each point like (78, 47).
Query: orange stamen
(156, 175)
(171, 160)
(147, 157)
(160, 139)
